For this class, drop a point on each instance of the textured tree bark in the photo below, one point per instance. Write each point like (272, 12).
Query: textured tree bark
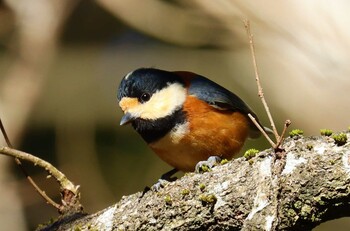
(307, 185)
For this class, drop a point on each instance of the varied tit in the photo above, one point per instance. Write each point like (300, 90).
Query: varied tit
(184, 117)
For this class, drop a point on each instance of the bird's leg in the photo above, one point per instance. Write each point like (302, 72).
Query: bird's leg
(168, 176)
(206, 165)
(164, 179)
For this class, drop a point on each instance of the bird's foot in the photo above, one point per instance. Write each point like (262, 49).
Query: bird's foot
(165, 179)
(207, 165)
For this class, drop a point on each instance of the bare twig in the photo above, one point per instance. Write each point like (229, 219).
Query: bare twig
(4, 133)
(69, 191)
(66, 185)
(279, 138)
(64, 182)
(36, 187)
(261, 129)
(29, 178)
(257, 78)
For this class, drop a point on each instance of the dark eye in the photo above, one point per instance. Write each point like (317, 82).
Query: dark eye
(145, 97)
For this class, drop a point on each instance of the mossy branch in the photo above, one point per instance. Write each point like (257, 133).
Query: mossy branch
(314, 185)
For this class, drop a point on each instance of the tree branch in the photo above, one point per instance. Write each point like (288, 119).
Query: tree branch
(29, 178)
(70, 192)
(313, 184)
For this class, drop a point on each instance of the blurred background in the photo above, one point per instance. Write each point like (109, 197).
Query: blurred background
(61, 62)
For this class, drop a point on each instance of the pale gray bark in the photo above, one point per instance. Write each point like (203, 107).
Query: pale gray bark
(307, 187)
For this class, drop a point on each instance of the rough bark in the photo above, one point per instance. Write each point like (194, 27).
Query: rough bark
(307, 186)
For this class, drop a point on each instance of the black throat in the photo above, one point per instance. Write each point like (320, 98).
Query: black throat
(153, 130)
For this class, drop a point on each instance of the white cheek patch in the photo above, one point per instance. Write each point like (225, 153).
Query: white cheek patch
(161, 104)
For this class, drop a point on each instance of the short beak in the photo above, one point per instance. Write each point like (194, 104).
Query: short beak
(127, 118)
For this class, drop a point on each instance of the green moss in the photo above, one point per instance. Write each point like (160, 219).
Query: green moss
(309, 147)
(159, 194)
(298, 205)
(315, 218)
(204, 168)
(340, 139)
(326, 132)
(291, 213)
(89, 226)
(250, 153)
(305, 211)
(208, 198)
(189, 174)
(168, 200)
(319, 200)
(185, 192)
(296, 132)
(223, 161)
(202, 187)
(51, 221)
(77, 228)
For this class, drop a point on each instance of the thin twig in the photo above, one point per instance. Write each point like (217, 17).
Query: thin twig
(29, 178)
(59, 176)
(257, 78)
(4, 133)
(39, 190)
(70, 193)
(261, 130)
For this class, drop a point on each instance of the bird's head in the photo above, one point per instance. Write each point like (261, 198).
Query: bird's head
(149, 94)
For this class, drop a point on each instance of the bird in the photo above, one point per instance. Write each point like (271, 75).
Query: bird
(184, 117)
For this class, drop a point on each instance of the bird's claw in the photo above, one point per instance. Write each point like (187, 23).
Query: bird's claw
(207, 165)
(160, 184)
(164, 180)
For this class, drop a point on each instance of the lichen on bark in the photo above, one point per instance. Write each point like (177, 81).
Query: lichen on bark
(311, 187)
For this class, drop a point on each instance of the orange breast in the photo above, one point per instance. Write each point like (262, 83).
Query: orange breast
(211, 132)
